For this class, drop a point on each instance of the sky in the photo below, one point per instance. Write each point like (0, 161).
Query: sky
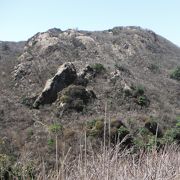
(21, 19)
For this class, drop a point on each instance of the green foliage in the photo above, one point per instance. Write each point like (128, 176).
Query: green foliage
(147, 143)
(139, 91)
(75, 97)
(130, 122)
(93, 133)
(90, 124)
(142, 101)
(176, 74)
(144, 139)
(139, 94)
(143, 131)
(172, 135)
(23, 171)
(50, 142)
(30, 132)
(55, 128)
(9, 170)
(99, 125)
(98, 68)
(95, 127)
(73, 92)
(122, 131)
(115, 132)
(169, 136)
(4, 164)
(178, 122)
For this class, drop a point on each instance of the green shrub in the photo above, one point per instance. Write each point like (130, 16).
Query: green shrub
(4, 163)
(139, 95)
(143, 101)
(176, 74)
(30, 132)
(50, 142)
(142, 131)
(98, 68)
(123, 131)
(178, 121)
(116, 132)
(173, 134)
(144, 139)
(75, 97)
(139, 91)
(23, 171)
(10, 170)
(147, 143)
(99, 125)
(73, 92)
(90, 124)
(55, 128)
(95, 127)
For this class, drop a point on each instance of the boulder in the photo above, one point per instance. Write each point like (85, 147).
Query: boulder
(65, 76)
(85, 75)
(87, 70)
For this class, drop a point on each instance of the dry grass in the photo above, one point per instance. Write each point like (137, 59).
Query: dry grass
(113, 164)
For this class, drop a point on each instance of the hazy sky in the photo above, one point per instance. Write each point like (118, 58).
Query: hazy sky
(20, 19)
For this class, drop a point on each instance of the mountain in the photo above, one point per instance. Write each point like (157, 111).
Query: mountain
(123, 74)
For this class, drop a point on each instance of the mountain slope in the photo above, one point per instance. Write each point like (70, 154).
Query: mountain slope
(132, 58)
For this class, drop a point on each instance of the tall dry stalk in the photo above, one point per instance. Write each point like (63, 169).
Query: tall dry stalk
(116, 164)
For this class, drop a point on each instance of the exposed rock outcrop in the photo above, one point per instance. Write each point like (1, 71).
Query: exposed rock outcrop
(87, 70)
(65, 76)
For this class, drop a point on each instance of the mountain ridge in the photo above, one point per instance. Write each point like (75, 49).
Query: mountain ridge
(127, 70)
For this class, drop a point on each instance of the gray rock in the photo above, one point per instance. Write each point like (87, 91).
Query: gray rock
(65, 76)
(87, 70)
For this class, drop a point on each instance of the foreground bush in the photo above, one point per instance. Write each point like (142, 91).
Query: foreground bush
(176, 74)
(107, 163)
(113, 164)
(75, 97)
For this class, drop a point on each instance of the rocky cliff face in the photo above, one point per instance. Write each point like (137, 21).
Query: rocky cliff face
(125, 70)
(45, 51)
(132, 57)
